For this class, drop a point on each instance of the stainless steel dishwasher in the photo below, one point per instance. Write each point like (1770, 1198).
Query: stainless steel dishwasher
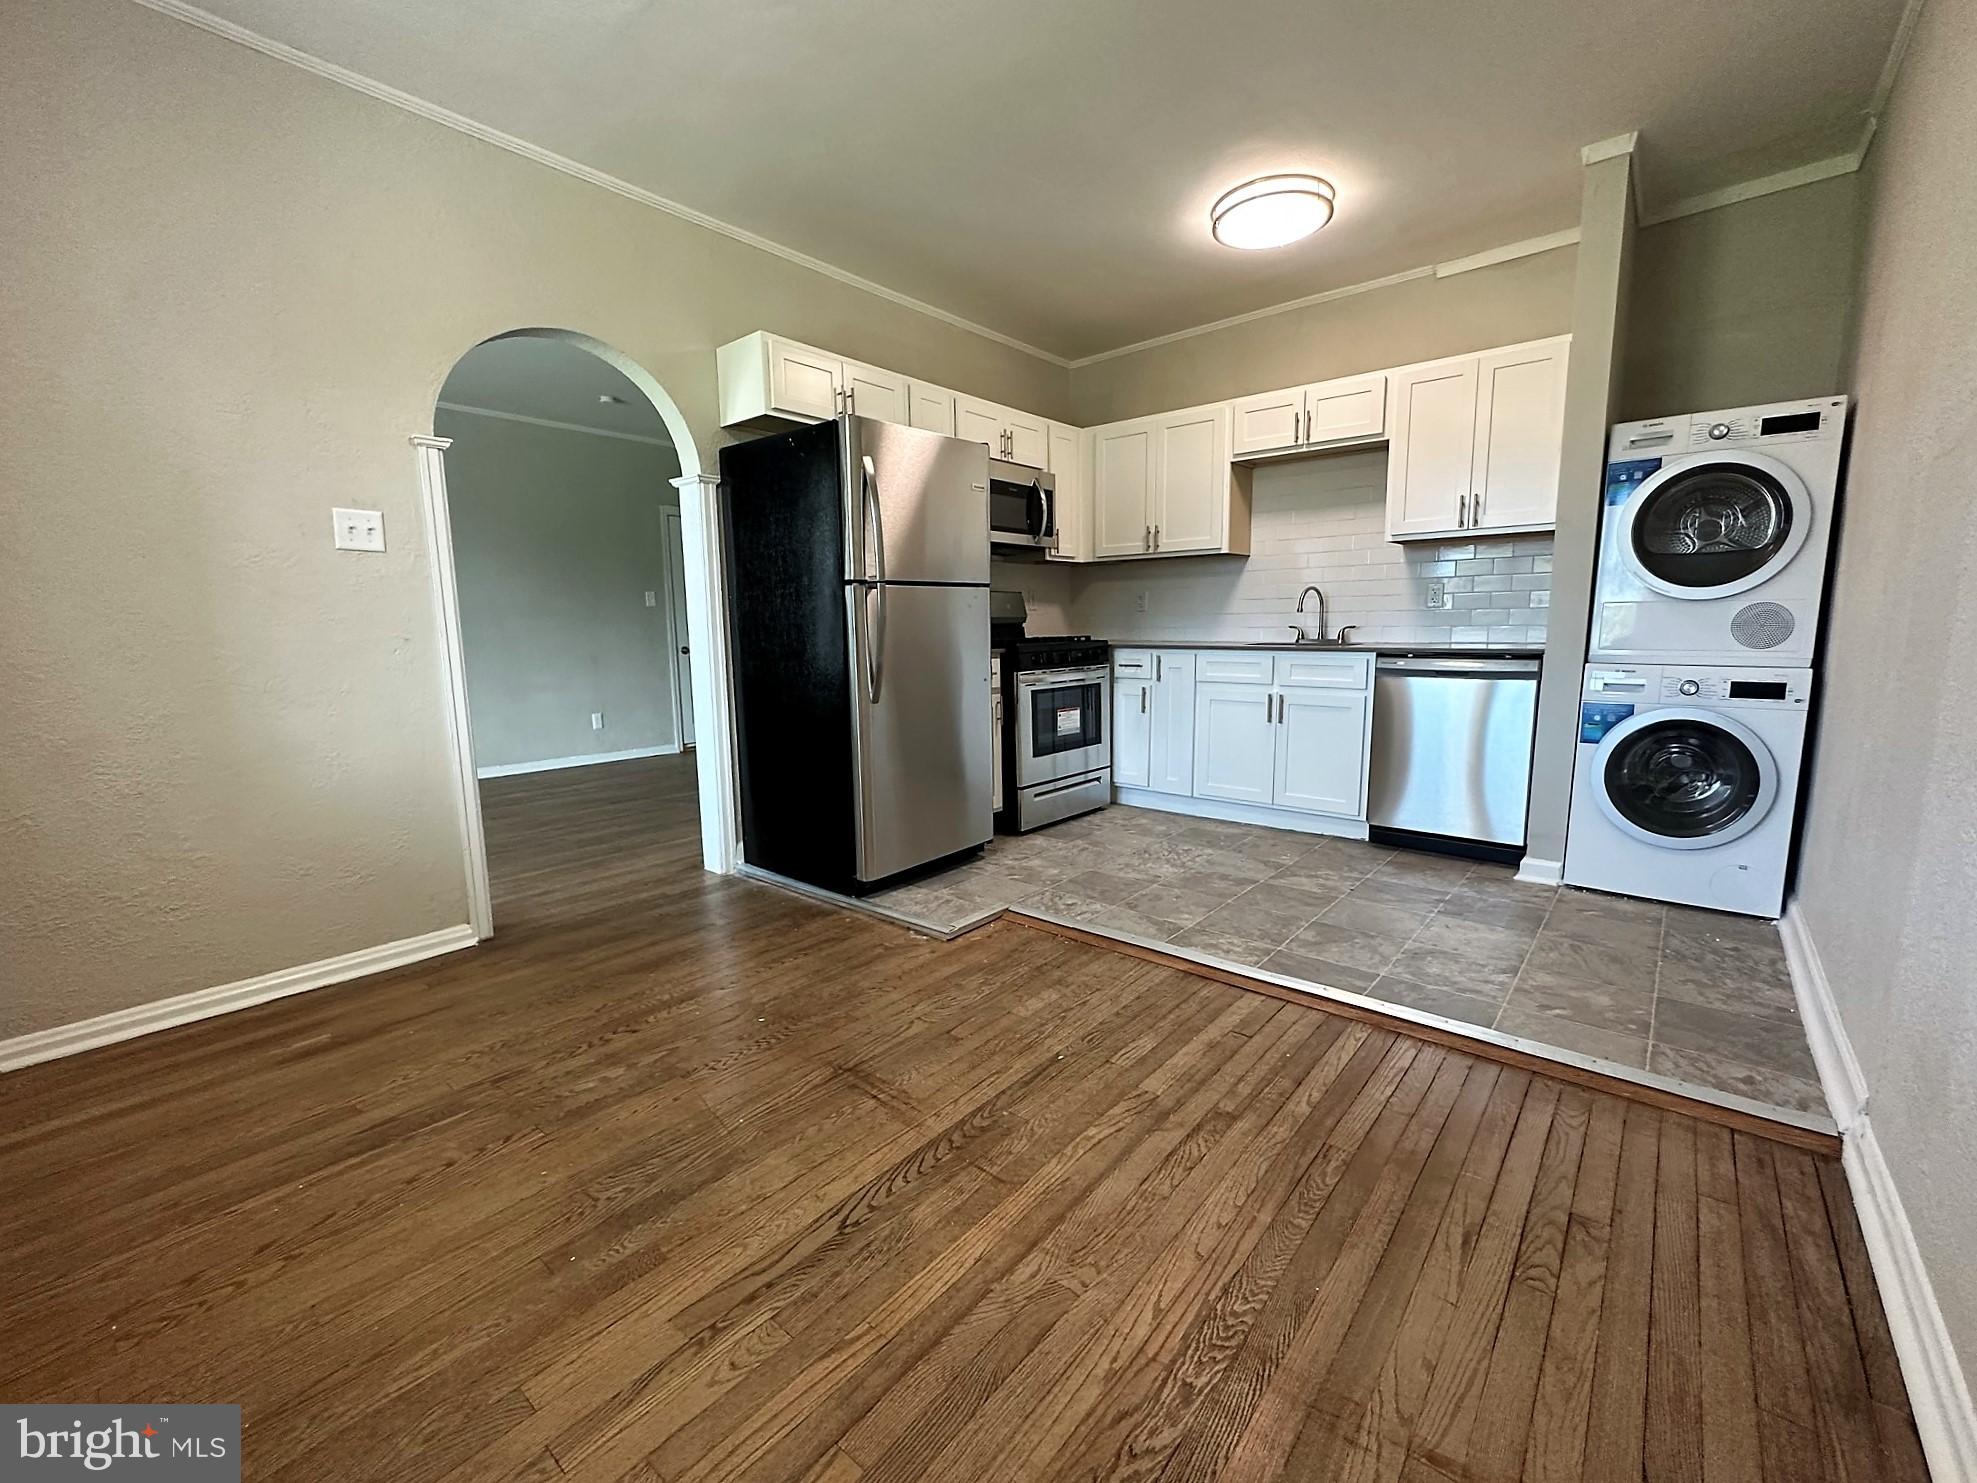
(1452, 750)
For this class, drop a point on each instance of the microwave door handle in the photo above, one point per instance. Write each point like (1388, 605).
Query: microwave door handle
(1034, 512)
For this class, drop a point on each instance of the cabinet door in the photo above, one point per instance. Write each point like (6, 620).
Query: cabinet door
(1266, 422)
(1433, 447)
(1122, 489)
(1520, 420)
(1029, 439)
(803, 382)
(1191, 487)
(875, 393)
(1132, 728)
(1321, 752)
(1069, 472)
(1234, 741)
(1352, 407)
(930, 407)
(979, 422)
(1171, 765)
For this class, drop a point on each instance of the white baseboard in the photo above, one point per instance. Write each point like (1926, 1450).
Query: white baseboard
(1240, 813)
(200, 1004)
(554, 764)
(1538, 872)
(1938, 1394)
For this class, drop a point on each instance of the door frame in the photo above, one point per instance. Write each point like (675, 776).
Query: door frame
(671, 524)
(706, 611)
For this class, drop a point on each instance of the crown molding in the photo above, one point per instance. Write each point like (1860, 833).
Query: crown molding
(568, 427)
(280, 51)
(1764, 185)
(1509, 252)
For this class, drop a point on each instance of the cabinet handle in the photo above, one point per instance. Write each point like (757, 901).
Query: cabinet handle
(1146, 540)
(1156, 666)
(1462, 513)
(1307, 424)
(1476, 509)
(1142, 700)
(1156, 538)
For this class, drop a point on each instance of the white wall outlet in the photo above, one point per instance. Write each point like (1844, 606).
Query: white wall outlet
(652, 599)
(597, 720)
(1139, 601)
(1437, 594)
(358, 530)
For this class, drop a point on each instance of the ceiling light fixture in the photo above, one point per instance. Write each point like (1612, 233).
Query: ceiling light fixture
(1271, 210)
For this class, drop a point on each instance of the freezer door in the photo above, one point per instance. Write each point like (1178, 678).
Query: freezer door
(921, 727)
(916, 504)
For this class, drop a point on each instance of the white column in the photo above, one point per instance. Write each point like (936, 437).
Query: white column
(707, 627)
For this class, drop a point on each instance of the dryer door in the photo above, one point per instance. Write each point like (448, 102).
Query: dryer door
(1714, 526)
(1685, 779)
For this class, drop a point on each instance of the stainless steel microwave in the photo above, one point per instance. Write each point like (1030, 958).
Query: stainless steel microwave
(1022, 506)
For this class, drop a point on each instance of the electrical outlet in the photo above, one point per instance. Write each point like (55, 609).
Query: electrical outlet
(1437, 594)
(597, 720)
(1139, 601)
(358, 530)
(652, 599)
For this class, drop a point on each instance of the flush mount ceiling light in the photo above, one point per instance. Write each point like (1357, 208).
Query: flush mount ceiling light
(1271, 211)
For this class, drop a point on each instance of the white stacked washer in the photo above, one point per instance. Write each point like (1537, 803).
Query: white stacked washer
(1686, 782)
(1713, 545)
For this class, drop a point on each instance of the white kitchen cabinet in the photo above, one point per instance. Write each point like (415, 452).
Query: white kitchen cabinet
(1520, 422)
(1235, 741)
(1070, 472)
(1475, 443)
(765, 378)
(871, 392)
(1321, 751)
(930, 408)
(1019, 437)
(1122, 490)
(1266, 422)
(1170, 765)
(1352, 409)
(1191, 481)
(1132, 731)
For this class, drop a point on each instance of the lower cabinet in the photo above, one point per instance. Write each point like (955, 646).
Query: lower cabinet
(1132, 731)
(1170, 768)
(1235, 741)
(1321, 753)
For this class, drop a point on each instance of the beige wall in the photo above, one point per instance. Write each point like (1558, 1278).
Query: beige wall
(1889, 870)
(1744, 304)
(229, 291)
(1419, 319)
(557, 537)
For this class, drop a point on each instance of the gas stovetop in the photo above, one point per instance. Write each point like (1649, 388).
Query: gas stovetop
(1062, 651)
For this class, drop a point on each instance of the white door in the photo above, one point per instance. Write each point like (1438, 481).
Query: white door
(1068, 471)
(1520, 421)
(979, 422)
(995, 746)
(1321, 752)
(1122, 490)
(676, 598)
(803, 382)
(875, 393)
(930, 407)
(1266, 422)
(1171, 763)
(1132, 728)
(1028, 439)
(1432, 450)
(1235, 737)
(1191, 499)
(1352, 407)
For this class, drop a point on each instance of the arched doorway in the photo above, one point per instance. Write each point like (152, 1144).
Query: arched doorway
(698, 565)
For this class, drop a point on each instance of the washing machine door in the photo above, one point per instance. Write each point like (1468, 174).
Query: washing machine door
(1713, 526)
(1685, 779)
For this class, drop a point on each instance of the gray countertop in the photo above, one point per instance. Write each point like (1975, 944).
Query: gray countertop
(1507, 651)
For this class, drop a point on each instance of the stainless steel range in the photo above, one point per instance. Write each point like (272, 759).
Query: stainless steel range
(1057, 718)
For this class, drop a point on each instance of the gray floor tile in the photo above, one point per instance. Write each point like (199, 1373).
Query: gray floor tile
(1124, 919)
(1484, 974)
(1389, 891)
(1205, 939)
(1293, 964)
(1267, 913)
(1570, 960)
(1587, 1040)
(1175, 904)
(1469, 1008)
(1493, 910)
(1476, 939)
(1720, 927)
(1741, 978)
(1107, 886)
(1629, 1010)
(1368, 951)
(1770, 1044)
(1375, 916)
(1607, 921)
(1723, 1074)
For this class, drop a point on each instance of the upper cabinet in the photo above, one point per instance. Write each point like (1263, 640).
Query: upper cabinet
(930, 408)
(1475, 443)
(1164, 486)
(1019, 437)
(764, 377)
(1352, 409)
(1070, 469)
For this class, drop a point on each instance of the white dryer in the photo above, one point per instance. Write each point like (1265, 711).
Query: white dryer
(1686, 783)
(1713, 540)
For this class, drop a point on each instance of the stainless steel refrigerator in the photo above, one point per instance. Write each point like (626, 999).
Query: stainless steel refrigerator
(857, 582)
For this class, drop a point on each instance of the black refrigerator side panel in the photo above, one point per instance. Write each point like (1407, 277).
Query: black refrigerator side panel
(789, 654)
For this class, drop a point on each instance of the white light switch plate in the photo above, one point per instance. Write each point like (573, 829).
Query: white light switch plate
(358, 530)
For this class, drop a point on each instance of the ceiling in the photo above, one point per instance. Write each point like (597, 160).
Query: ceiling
(1044, 168)
(530, 376)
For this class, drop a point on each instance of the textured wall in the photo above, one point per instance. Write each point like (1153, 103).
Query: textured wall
(1744, 304)
(234, 290)
(558, 536)
(1889, 871)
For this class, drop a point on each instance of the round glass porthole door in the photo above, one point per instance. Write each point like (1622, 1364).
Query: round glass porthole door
(1717, 526)
(1685, 780)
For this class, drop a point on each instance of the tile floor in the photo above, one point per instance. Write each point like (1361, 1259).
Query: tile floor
(1695, 995)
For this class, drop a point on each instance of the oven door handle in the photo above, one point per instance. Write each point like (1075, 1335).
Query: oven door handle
(1042, 679)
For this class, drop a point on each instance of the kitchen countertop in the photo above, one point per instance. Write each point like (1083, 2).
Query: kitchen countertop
(1479, 651)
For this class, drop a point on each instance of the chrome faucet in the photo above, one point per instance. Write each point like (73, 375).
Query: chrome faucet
(1298, 628)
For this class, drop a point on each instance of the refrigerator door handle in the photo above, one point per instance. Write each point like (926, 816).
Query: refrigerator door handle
(875, 661)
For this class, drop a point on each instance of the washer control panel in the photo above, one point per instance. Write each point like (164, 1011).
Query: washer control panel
(1672, 684)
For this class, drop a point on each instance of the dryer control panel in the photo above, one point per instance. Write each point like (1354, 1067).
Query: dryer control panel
(1733, 427)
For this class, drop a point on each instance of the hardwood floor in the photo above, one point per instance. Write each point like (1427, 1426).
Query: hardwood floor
(684, 1178)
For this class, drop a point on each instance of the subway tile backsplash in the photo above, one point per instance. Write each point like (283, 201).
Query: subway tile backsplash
(1323, 521)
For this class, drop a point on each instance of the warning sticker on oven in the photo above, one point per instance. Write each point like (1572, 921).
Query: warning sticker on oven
(1069, 720)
